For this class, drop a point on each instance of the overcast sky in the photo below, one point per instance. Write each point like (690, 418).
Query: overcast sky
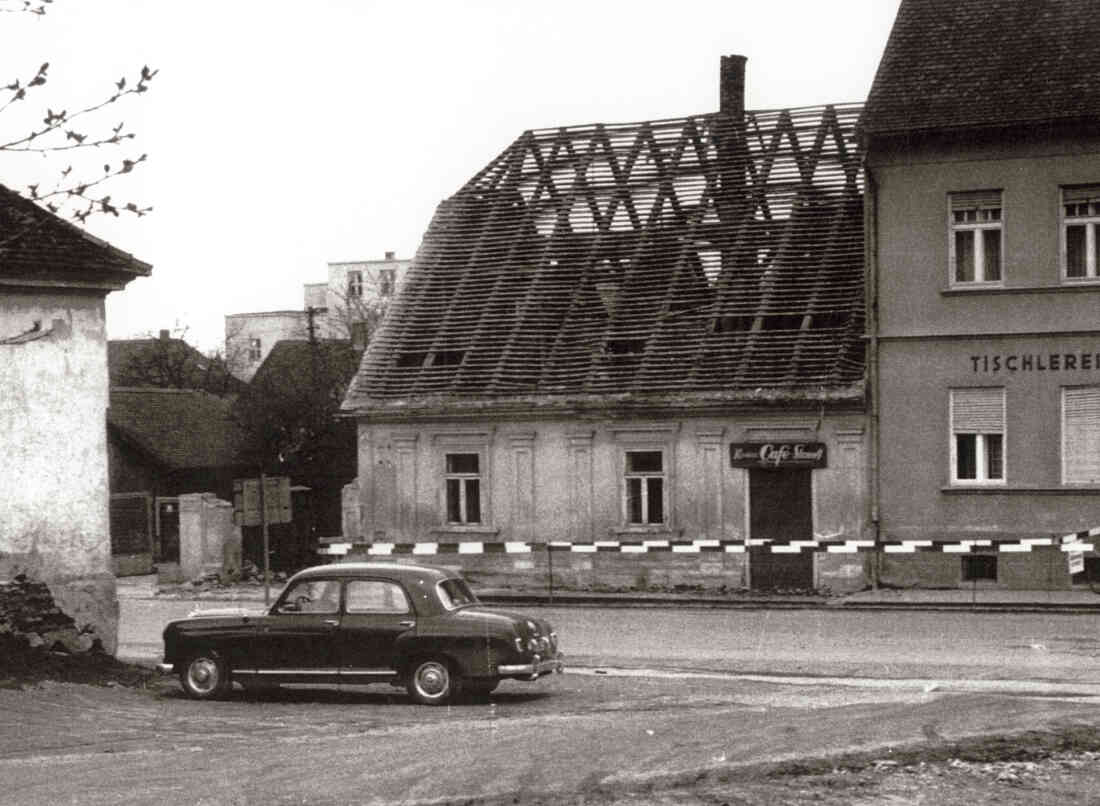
(284, 135)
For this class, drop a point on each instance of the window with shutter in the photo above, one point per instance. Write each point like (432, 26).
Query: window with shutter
(977, 436)
(1081, 435)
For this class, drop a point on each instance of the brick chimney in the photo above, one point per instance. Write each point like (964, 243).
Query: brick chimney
(389, 255)
(164, 335)
(731, 92)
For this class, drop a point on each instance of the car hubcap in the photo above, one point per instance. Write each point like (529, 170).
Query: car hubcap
(203, 675)
(431, 679)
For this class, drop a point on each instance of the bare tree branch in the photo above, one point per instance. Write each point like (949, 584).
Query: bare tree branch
(77, 192)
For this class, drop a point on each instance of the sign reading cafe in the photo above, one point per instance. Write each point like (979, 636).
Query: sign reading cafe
(777, 455)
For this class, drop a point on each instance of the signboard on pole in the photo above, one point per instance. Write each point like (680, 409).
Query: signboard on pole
(1076, 561)
(276, 498)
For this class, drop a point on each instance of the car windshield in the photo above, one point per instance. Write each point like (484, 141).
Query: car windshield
(454, 593)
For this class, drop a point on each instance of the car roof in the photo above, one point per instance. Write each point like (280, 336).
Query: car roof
(395, 570)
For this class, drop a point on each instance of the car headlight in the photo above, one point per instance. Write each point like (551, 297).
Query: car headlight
(533, 645)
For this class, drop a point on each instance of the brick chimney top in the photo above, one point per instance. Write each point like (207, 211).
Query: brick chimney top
(164, 335)
(731, 92)
(389, 255)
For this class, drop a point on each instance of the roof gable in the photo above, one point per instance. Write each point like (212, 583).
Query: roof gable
(42, 249)
(705, 254)
(960, 64)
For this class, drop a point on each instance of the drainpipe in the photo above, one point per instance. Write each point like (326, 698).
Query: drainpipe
(870, 229)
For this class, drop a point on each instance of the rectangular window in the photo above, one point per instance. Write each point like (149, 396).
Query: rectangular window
(975, 245)
(644, 488)
(1080, 215)
(355, 285)
(254, 350)
(386, 282)
(1081, 435)
(978, 567)
(463, 488)
(977, 436)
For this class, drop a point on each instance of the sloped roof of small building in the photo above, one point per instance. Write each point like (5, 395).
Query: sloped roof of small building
(961, 64)
(167, 363)
(38, 247)
(290, 360)
(180, 428)
(710, 255)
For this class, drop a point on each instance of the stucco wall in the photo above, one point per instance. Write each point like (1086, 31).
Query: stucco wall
(562, 480)
(1034, 334)
(54, 509)
(269, 327)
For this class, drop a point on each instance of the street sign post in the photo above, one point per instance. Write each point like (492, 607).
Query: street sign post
(260, 502)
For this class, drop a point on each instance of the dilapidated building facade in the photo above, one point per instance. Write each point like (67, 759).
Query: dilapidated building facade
(647, 333)
(53, 435)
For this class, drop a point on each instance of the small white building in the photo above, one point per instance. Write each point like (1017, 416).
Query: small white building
(347, 306)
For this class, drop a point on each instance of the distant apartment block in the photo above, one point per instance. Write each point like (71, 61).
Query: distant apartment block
(347, 306)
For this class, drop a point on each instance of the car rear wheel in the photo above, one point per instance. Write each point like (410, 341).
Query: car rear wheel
(431, 681)
(205, 677)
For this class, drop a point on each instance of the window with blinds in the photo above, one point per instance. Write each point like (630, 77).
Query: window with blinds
(1080, 215)
(975, 224)
(1081, 435)
(977, 435)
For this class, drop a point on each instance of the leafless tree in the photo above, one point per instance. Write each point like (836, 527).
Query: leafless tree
(172, 363)
(87, 152)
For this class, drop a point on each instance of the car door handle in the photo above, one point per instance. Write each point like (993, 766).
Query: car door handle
(406, 624)
(332, 622)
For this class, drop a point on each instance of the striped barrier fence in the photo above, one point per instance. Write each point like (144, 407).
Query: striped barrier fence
(1073, 542)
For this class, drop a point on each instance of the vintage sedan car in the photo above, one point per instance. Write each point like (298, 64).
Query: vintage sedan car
(414, 626)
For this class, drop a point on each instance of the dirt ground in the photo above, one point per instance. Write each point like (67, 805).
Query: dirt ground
(1030, 769)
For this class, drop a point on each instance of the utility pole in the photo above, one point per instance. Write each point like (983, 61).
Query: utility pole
(263, 526)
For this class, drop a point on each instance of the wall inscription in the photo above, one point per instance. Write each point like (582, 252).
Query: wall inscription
(1035, 362)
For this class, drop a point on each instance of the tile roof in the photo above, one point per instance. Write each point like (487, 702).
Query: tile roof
(960, 64)
(181, 428)
(288, 363)
(37, 246)
(707, 255)
(166, 363)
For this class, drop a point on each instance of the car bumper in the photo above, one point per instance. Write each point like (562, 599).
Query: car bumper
(537, 668)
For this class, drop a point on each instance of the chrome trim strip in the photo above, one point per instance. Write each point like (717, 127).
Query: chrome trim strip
(367, 672)
(165, 668)
(519, 668)
(289, 671)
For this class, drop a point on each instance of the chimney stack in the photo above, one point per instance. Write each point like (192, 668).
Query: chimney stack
(731, 92)
(389, 255)
(164, 335)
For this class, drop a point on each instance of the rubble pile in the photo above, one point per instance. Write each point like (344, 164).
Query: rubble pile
(38, 642)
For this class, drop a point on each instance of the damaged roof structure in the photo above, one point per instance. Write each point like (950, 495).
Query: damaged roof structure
(713, 257)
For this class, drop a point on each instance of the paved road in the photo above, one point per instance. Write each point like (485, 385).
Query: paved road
(865, 644)
(655, 696)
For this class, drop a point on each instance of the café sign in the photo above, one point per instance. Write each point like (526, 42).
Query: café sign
(777, 455)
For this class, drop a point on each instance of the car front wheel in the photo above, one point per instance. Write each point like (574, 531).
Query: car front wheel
(205, 677)
(431, 681)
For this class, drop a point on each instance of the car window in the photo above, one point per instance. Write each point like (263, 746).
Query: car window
(312, 596)
(376, 596)
(455, 593)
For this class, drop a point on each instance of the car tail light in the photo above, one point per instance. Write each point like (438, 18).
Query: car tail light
(519, 644)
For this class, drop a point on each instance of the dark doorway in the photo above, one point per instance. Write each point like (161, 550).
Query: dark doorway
(780, 509)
